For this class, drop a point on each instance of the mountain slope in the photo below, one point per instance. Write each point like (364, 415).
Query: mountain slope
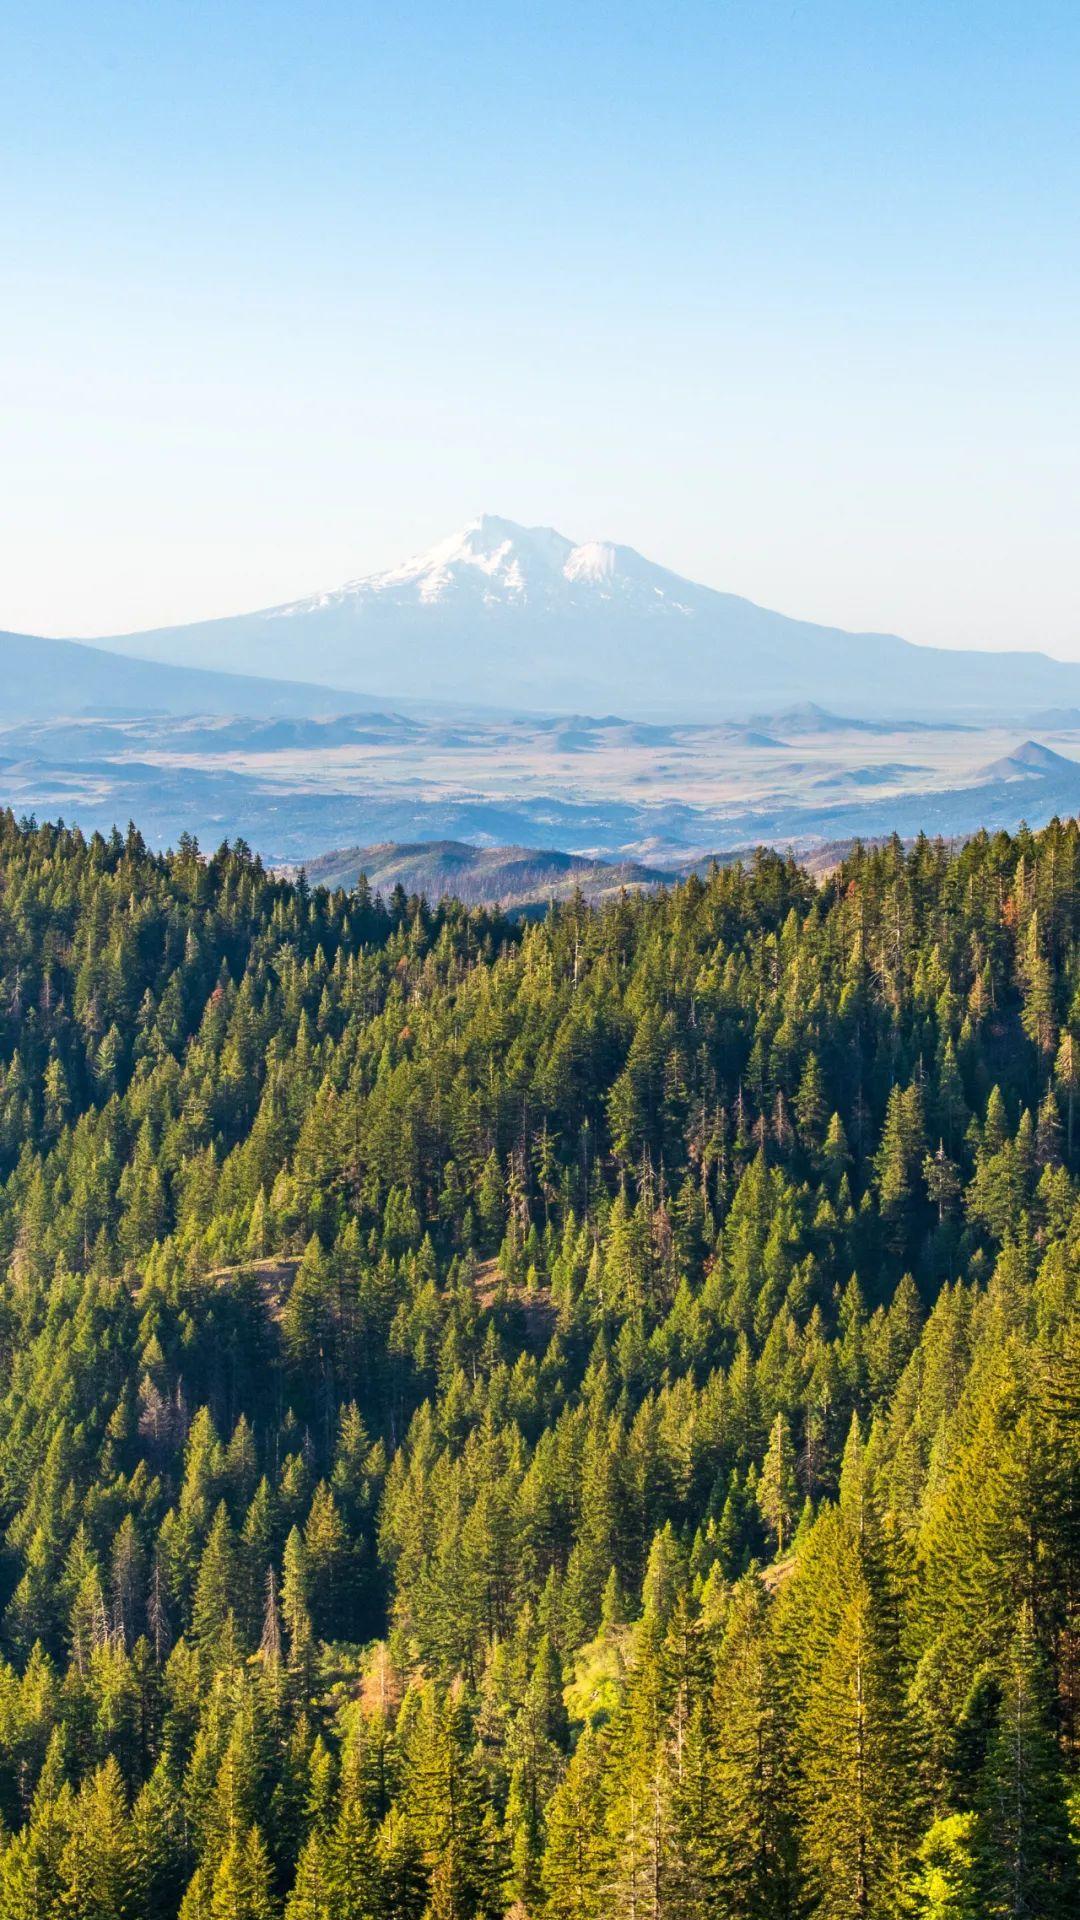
(509, 877)
(522, 617)
(516, 879)
(44, 678)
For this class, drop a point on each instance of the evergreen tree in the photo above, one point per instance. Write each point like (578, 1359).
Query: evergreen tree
(242, 1882)
(1028, 1866)
(944, 1884)
(776, 1491)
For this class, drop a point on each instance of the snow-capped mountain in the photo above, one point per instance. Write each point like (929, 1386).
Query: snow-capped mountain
(521, 617)
(494, 563)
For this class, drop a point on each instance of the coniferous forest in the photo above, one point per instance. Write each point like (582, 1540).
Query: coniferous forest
(572, 1420)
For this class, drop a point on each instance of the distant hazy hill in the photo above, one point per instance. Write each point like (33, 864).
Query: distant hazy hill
(811, 720)
(522, 617)
(40, 678)
(1033, 761)
(491, 876)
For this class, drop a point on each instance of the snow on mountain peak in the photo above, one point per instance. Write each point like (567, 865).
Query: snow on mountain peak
(508, 557)
(494, 562)
(596, 561)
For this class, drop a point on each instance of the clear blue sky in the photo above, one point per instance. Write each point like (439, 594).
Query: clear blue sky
(786, 295)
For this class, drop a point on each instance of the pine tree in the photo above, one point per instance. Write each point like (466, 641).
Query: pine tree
(535, 1748)
(1067, 1077)
(859, 1786)
(399, 1890)
(325, 1553)
(577, 1866)
(98, 1867)
(943, 1183)
(216, 1587)
(294, 1611)
(855, 1741)
(455, 1827)
(835, 1152)
(242, 1887)
(810, 1107)
(35, 1866)
(312, 1895)
(1028, 1865)
(899, 1159)
(734, 1805)
(776, 1490)
(1038, 1010)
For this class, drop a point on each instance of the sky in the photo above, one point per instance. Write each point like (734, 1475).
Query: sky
(784, 295)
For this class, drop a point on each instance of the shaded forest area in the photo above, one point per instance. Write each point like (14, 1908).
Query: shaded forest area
(574, 1420)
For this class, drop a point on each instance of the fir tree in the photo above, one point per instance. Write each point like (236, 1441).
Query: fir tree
(1028, 1866)
(776, 1491)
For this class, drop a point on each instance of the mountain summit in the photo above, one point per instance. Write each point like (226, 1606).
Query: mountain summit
(495, 563)
(521, 617)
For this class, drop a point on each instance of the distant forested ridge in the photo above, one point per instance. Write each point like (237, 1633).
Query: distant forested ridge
(577, 1420)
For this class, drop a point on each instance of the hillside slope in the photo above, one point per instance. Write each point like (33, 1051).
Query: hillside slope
(505, 877)
(43, 678)
(467, 1383)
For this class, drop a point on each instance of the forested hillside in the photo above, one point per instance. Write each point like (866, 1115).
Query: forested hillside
(576, 1420)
